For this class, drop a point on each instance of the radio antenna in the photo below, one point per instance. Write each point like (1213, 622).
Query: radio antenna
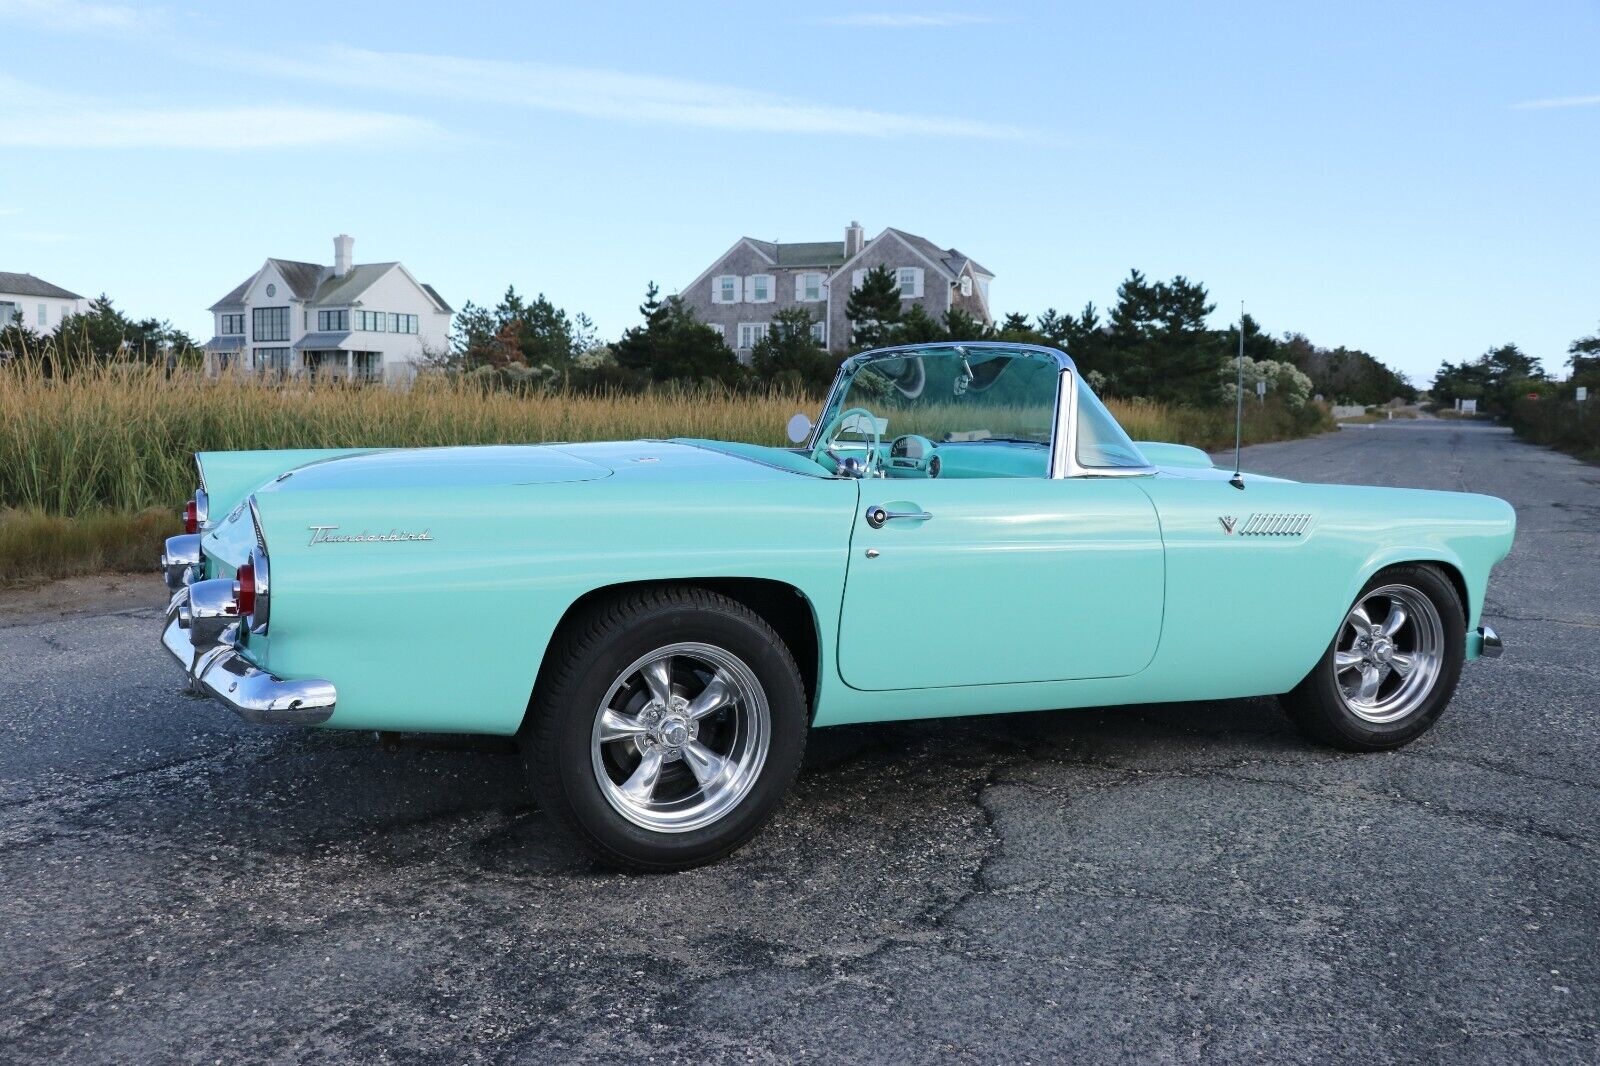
(1238, 412)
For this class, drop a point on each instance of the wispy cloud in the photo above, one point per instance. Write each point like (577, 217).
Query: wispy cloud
(613, 95)
(31, 117)
(906, 21)
(1557, 101)
(75, 16)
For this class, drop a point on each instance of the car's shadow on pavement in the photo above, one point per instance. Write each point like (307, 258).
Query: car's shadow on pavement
(417, 799)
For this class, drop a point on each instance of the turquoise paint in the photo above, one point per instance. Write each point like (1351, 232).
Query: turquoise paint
(1022, 593)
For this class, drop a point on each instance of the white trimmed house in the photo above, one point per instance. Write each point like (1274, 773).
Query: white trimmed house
(741, 291)
(35, 303)
(353, 321)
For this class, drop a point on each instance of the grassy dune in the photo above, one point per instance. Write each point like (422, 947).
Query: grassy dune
(94, 466)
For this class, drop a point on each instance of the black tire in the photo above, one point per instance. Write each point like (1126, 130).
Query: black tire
(1319, 706)
(582, 664)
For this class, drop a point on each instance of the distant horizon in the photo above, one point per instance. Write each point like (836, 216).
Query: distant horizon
(1416, 184)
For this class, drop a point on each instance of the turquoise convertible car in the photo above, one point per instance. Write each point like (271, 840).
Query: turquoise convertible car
(966, 530)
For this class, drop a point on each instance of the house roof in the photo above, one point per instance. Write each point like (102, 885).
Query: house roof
(322, 341)
(317, 285)
(28, 285)
(438, 299)
(802, 253)
(347, 289)
(952, 260)
(230, 343)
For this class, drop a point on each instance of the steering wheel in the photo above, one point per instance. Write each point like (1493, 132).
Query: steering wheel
(826, 441)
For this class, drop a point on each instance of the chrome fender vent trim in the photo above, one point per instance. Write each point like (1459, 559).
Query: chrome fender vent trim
(1275, 525)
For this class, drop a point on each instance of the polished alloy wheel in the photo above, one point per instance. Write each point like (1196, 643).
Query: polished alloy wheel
(1389, 653)
(680, 737)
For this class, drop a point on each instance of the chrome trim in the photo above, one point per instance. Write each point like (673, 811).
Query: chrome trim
(1063, 453)
(219, 671)
(1490, 646)
(202, 508)
(258, 619)
(213, 606)
(180, 562)
(877, 515)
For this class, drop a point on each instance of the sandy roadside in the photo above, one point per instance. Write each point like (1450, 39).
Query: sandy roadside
(97, 594)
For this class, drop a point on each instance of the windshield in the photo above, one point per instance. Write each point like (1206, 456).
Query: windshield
(1101, 442)
(950, 395)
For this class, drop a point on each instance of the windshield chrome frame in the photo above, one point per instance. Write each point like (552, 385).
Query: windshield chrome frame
(1063, 454)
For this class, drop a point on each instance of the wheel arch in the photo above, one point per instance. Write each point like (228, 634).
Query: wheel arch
(785, 607)
(1434, 558)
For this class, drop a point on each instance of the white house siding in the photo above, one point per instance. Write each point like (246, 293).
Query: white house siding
(50, 309)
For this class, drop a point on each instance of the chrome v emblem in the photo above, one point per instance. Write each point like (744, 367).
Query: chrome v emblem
(1228, 522)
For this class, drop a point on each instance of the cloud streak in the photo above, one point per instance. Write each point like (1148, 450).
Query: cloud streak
(890, 21)
(1557, 101)
(31, 117)
(75, 16)
(612, 95)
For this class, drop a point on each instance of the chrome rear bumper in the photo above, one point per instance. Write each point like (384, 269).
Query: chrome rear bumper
(215, 668)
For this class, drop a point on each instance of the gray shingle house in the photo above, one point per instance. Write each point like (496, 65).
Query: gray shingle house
(741, 291)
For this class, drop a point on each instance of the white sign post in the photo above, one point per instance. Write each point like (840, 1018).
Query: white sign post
(1261, 392)
(1583, 393)
(1469, 407)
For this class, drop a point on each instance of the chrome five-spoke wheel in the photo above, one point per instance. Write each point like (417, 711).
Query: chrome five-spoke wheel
(680, 737)
(1389, 653)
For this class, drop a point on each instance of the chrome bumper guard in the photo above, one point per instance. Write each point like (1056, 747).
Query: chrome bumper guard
(1489, 645)
(210, 658)
(180, 563)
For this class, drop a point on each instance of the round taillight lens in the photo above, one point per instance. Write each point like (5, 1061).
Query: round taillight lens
(245, 601)
(191, 517)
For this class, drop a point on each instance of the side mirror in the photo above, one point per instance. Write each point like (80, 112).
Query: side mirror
(800, 428)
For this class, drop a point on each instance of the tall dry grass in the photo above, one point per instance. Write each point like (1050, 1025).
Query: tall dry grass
(110, 446)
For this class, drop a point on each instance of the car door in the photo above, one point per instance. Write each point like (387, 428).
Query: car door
(994, 581)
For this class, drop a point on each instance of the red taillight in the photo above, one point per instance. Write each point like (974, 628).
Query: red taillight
(246, 599)
(191, 517)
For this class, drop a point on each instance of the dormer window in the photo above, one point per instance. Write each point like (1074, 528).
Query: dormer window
(725, 289)
(966, 284)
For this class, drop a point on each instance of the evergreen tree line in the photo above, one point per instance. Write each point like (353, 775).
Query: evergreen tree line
(1154, 343)
(100, 334)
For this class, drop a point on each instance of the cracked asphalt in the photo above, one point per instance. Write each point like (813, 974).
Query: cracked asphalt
(1189, 883)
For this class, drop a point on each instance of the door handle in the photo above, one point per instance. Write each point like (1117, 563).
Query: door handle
(877, 515)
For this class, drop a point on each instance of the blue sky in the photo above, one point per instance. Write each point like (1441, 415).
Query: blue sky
(1417, 180)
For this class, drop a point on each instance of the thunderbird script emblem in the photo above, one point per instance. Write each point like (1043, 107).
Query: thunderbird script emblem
(326, 535)
(1228, 522)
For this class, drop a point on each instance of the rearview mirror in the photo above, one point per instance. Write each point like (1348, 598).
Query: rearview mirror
(800, 428)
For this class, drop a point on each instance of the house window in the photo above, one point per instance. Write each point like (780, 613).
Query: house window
(232, 325)
(910, 279)
(380, 322)
(270, 323)
(758, 289)
(725, 289)
(750, 332)
(966, 284)
(368, 366)
(274, 360)
(395, 324)
(44, 314)
(333, 321)
(412, 322)
(819, 332)
(808, 288)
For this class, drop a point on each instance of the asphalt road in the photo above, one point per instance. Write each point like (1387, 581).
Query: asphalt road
(1190, 883)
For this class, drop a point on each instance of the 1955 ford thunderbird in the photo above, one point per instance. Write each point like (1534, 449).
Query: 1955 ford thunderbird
(965, 530)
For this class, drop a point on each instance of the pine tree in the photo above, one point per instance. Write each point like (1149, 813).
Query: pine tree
(789, 355)
(873, 309)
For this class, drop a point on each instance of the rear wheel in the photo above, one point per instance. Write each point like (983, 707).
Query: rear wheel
(666, 728)
(1391, 668)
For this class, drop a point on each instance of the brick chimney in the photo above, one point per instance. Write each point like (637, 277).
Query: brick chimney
(855, 238)
(344, 247)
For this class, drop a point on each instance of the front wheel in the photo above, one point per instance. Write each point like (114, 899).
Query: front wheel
(666, 728)
(1391, 668)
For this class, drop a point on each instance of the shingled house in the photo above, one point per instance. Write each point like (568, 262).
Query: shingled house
(360, 321)
(741, 291)
(35, 303)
